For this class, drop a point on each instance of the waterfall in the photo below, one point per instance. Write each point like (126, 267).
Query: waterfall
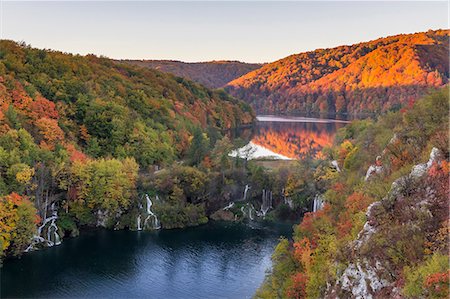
(229, 206)
(138, 222)
(149, 204)
(245, 191)
(138, 218)
(52, 234)
(154, 222)
(290, 203)
(266, 202)
(53, 237)
(287, 201)
(248, 211)
(251, 208)
(318, 203)
(335, 164)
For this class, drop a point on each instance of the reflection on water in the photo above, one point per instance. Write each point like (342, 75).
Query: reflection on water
(290, 138)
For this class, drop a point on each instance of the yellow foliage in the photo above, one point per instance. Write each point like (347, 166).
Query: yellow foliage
(24, 176)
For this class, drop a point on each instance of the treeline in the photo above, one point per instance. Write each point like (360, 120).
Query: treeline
(212, 74)
(78, 132)
(400, 248)
(370, 77)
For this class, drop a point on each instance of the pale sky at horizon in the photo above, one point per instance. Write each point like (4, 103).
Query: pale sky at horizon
(249, 31)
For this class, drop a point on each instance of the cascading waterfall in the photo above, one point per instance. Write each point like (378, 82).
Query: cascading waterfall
(247, 187)
(229, 206)
(139, 218)
(138, 222)
(251, 210)
(287, 200)
(52, 234)
(266, 202)
(53, 237)
(318, 203)
(154, 219)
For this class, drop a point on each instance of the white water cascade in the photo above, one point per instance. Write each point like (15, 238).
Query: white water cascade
(318, 203)
(139, 218)
(53, 237)
(154, 222)
(247, 187)
(52, 231)
(138, 222)
(266, 202)
(249, 211)
(229, 206)
(288, 201)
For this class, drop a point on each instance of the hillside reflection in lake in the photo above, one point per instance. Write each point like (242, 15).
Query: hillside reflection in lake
(211, 261)
(291, 137)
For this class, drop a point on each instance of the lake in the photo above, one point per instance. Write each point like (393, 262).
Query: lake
(288, 138)
(218, 260)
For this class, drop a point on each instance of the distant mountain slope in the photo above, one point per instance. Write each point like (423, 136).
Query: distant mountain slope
(107, 108)
(367, 77)
(213, 74)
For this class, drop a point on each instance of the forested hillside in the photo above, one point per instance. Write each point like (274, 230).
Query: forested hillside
(373, 77)
(212, 74)
(383, 231)
(77, 133)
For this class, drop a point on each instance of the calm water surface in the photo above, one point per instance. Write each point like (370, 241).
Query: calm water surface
(212, 261)
(289, 137)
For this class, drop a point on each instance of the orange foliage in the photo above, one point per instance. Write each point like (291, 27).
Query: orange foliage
(357, 202)
(338, 187)
(365, 77)
(438, 169)
(20, 99)
(43, 108)
(50, 131)
(4, 127)
(303, 251)
(437, 284)
(298, 288)
(75, 155)
(84, 133)
(344, 227)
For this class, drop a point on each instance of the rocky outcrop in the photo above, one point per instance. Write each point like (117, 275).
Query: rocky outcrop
(367, 276)
(377, 168)
(223, 215)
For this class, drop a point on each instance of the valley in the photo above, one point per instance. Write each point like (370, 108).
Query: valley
(320, 175)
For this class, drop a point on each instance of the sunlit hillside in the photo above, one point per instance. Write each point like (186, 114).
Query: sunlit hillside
(373, 76)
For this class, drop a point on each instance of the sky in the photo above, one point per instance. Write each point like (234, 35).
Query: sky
(250, 31)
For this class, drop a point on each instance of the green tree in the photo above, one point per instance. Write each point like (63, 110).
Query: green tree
(198, 148)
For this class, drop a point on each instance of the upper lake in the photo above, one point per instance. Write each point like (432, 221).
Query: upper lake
(288, 138)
